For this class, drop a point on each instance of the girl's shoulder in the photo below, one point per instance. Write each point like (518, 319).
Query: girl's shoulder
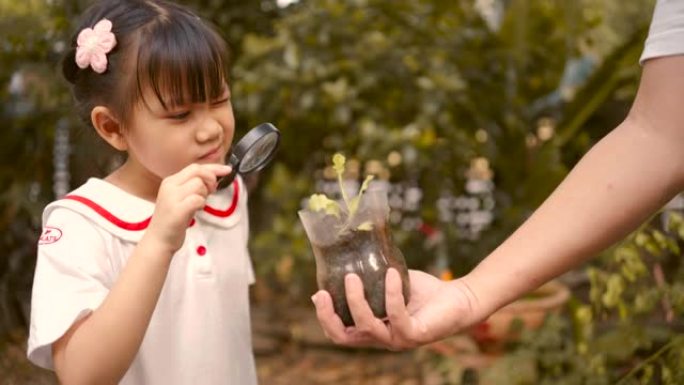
(106, 206)
(126, 216)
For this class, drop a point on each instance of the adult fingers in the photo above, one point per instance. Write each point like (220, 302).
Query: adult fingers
(364, 320)
(333, 327)
(330, 322)
(398, 315)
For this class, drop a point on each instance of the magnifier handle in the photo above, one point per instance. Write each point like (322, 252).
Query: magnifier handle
(234, 162)
(227, 180)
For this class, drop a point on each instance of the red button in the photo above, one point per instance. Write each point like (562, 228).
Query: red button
(192, 222)
(201, 250)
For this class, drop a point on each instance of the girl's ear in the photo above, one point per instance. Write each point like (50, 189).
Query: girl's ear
(108, 127)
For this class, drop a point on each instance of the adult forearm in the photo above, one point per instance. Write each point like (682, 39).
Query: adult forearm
(626, 177)
(101, 349)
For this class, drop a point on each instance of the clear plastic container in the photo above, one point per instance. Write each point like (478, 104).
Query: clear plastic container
(340, 248)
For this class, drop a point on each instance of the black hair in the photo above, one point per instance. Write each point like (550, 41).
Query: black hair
(160, 45)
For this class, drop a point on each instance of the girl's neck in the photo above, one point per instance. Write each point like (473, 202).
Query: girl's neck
(129, 178)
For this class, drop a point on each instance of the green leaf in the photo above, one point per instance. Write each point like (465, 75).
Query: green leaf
(354, 204)
(365, 226)
(583, 314)
(676, 295)
(366, 183)
(666, 374)
(673, 246)
(338, 163)
(653, 249)
(647, 374)
(646, 300)
(613, 293)
(641, 239)
(660, 238)
(320, 202)
(632, 265)
(675, 220)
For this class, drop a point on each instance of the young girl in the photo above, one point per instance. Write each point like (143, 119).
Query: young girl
(142, 277)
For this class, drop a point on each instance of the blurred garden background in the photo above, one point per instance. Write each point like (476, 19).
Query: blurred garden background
(469, 112)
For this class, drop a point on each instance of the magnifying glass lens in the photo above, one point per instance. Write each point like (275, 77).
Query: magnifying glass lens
(252, 152)
(259, 153)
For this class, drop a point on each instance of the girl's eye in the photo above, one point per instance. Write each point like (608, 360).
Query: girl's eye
(180, 115)
(221, 102)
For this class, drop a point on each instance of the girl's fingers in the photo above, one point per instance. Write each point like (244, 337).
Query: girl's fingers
(197, 179)
(192, 202)
(183, 175)
(222, 169)
(194, 186)
(208, 172)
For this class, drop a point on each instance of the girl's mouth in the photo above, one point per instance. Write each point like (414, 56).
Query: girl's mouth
(212, 156)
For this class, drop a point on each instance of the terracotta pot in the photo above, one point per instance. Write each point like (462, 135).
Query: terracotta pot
(531, 310)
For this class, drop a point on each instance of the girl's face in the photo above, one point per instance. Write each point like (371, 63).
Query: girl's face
(162, 142)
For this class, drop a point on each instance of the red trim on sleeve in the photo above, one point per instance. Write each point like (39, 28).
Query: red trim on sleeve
(233, 204)
(109, 216)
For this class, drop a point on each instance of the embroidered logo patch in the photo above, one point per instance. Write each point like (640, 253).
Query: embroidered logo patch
(50, 235)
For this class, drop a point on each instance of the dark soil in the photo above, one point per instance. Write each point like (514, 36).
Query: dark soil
(368, 254)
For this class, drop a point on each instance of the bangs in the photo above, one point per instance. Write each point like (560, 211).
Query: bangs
(182, 62)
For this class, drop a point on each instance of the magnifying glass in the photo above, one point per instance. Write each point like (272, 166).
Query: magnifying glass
(252, 153)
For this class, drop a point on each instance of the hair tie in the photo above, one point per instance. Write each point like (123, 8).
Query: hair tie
(93, 46)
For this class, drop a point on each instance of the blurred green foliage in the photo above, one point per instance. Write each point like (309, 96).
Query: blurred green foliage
(29, 111)
(442, 84)
(630, 329)
(529, 87)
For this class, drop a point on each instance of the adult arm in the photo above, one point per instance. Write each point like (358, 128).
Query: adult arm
(618, 184)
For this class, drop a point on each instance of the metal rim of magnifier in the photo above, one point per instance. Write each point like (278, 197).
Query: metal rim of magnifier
(242, 148)
(249, 140)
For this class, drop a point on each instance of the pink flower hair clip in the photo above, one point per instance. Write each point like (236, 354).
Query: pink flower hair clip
(93, 46)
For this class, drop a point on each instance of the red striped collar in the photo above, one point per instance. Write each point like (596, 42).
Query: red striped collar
(233, 204)
(132, 226)
(142, 225)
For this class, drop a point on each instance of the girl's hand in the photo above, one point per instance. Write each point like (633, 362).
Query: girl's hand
(180, 196)
(437, 309)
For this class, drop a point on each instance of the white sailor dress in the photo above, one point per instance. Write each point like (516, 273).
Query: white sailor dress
(200, 329)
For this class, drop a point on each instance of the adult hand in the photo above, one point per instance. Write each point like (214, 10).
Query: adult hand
(437, 309)
(180, 196)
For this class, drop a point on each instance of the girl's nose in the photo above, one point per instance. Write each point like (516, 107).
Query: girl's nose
(208, 130)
